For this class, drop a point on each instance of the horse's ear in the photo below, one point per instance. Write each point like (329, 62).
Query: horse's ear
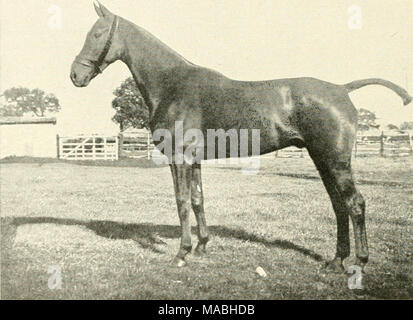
(105, 12)
(97, 8)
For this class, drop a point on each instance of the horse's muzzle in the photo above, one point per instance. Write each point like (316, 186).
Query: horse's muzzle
(78, 80)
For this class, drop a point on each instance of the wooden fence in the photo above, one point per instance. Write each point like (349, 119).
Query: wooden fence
(93, 147)
(139, 144)
(291, 152)
(136, 144)
(385, 144)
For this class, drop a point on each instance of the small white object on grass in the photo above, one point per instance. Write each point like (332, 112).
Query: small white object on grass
(177, 281)
(261, 272)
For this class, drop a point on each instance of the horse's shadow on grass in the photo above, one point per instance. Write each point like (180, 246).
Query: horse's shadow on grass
(149, 235)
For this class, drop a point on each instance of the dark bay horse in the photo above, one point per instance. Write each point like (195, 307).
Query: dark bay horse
(302, 112)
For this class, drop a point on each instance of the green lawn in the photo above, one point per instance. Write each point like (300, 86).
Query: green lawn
(113, 230)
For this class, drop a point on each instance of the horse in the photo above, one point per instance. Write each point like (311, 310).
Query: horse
(302, 112)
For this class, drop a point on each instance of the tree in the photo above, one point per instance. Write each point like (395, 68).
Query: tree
(407, 125)
(131, 110)
(366, 119)
(19, 101)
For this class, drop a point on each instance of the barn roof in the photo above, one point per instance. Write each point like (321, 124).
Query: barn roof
(22, 120)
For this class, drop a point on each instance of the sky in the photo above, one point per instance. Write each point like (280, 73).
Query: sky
(245, 40)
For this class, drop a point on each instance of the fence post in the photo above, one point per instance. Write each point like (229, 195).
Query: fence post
(93, 148)
(58, 146)
(120, 144)
(382, 144)
(117, 148)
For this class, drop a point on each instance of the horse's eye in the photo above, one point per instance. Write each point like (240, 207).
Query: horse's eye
(97, 35)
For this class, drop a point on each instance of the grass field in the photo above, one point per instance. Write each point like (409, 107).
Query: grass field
(113, 230)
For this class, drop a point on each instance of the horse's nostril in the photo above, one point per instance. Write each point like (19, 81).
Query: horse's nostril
(73, 75)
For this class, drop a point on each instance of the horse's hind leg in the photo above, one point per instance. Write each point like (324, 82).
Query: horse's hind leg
(197, 200)
(346, 199)
(332, 157)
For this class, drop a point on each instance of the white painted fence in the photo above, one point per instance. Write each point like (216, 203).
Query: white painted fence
(91, 147)
(136, 143)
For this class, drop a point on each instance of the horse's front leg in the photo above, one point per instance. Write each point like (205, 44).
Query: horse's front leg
(182, 175)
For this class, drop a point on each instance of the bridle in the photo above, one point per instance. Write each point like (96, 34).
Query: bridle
(97, 64)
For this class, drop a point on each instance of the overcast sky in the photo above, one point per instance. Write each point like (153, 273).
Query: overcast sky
(244, 39)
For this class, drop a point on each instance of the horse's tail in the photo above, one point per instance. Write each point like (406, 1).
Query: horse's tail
(354, 85)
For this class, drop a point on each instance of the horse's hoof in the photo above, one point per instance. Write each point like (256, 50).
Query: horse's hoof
(179, 262)
(334, 265)
(200, 250)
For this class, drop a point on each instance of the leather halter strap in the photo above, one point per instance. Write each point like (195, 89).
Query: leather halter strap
(96, 64)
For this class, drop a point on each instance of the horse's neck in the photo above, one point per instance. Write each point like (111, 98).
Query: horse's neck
(149, 61)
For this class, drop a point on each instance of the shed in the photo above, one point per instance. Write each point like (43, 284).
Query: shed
(32, 137)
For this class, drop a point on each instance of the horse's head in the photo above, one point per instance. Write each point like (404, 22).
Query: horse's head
(102, 47)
